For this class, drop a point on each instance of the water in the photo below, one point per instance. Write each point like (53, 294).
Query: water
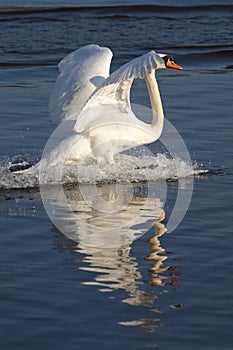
(136, 287)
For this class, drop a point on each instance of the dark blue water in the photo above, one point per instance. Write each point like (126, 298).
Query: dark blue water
(163, 290)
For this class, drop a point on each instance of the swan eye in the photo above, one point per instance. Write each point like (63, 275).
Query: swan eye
(166, 58)
(171, 60)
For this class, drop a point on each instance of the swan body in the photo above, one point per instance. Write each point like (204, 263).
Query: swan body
(93, 108)
(97, 104)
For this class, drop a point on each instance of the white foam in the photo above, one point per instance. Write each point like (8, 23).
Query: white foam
(125, 169)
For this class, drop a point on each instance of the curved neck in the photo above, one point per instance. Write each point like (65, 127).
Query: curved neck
(156, 103)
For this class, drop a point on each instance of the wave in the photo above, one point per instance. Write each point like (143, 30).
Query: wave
(92, 21)
(21, 174)
(201, 55)
(193, 17)
(126, 10)
(204, 57)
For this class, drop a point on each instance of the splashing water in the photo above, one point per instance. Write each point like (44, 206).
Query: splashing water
(21, 173)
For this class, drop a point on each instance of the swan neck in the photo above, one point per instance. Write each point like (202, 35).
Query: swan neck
(156, 103)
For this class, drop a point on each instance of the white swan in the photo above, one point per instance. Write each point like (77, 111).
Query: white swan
(97, 105)
(93, 108)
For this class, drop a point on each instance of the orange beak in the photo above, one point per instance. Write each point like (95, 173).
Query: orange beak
(172, 64)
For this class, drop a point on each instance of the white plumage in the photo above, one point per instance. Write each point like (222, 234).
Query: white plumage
(93, 108)
(81, 72)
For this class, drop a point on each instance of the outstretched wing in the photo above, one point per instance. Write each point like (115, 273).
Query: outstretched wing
(115, 90)
(81, 72)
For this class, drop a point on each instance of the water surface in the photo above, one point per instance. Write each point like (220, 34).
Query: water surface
(158, 289)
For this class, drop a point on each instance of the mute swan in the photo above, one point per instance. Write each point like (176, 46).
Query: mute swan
(97, 105)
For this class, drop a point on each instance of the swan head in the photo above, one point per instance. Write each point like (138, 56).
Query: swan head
(169, 61)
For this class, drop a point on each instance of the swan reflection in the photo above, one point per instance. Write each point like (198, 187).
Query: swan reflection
(99, 240)
(104, 240)
(117, 269)
(107, 216)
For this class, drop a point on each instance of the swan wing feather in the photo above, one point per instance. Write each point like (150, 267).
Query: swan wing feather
(80, 73)
(115, 91)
